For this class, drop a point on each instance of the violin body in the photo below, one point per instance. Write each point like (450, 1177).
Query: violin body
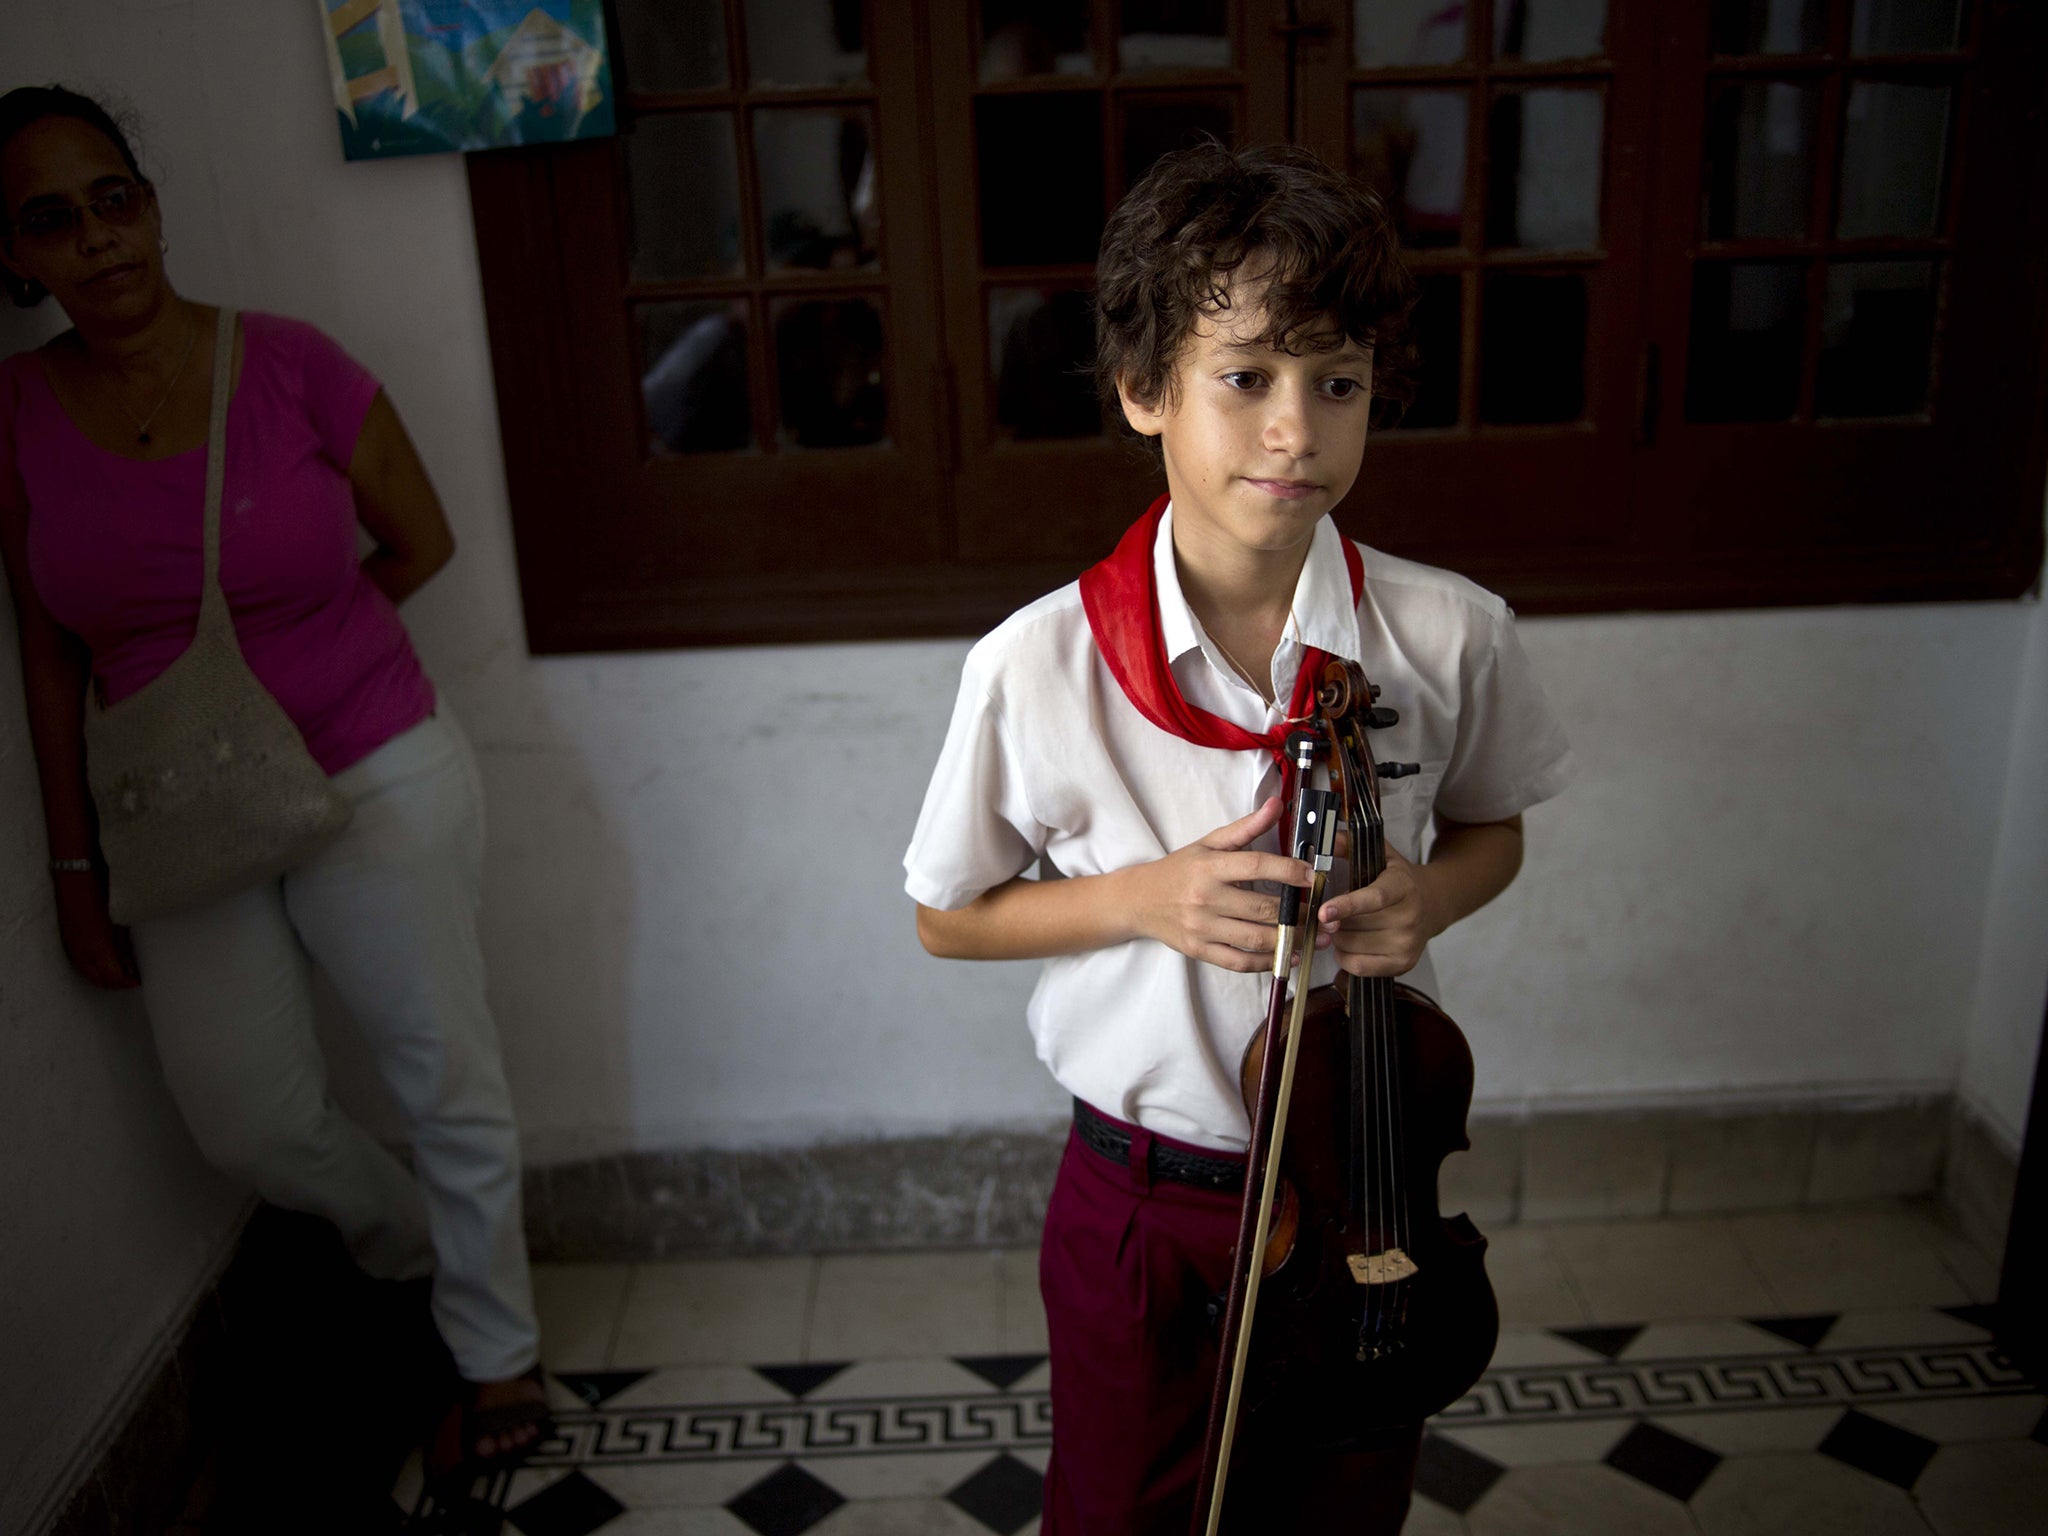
(1304, 1382)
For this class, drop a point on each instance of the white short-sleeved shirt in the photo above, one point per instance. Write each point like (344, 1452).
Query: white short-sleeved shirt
(1046, 757)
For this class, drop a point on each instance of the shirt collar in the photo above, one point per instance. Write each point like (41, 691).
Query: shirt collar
(1323, 606)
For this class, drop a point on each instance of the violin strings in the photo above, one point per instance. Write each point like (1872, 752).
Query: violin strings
(1364, 1041)
(1388, 1087)
(1380, 1166)
(1363, 1064)
(1382, 1228)
(1397, 1235)
(1381, 1018)
(1397, 1137)
(1398, 1142)
(1383, 1009)
(1356, 998)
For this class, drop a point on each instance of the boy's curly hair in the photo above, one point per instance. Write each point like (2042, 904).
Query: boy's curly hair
(1202, 214)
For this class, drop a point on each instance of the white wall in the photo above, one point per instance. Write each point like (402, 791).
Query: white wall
(1771, 880)
(2012, 975)
(109, 1223)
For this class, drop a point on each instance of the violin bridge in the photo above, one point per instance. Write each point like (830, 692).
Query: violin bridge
(1380, 1268)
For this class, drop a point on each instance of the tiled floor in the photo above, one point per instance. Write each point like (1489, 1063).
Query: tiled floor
(1805, 1372)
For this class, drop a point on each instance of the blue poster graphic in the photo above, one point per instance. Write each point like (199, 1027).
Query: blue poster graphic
(421, 77)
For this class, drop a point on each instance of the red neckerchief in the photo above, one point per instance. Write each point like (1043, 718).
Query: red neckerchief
(1121, 598)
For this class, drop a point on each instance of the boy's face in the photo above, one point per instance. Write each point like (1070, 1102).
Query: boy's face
(1258, 443)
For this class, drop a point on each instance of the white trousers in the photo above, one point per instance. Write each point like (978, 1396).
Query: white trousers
(389, 913)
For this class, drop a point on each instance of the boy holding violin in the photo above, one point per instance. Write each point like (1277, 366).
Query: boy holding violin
(1125, 728)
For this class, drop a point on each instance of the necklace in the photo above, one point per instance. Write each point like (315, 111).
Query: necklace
(177, 373)
(1245, 672)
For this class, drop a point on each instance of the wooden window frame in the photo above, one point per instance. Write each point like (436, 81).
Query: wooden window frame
(941, 532)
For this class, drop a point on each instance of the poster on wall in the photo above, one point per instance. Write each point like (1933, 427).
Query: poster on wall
(422, 77)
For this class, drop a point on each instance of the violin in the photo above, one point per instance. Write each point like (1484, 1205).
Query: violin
(1355, 1307)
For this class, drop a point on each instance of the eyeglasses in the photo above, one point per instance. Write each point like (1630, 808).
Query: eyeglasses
(116, 207)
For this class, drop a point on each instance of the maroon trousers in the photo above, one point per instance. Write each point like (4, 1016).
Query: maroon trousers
(1132, 1270)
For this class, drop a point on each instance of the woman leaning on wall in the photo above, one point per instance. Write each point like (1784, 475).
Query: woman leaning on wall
(250, 766)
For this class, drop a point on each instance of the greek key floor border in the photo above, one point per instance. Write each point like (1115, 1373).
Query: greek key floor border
(1675, 1408)
(1823, 1378)
(993, 1417)
(991, 1421)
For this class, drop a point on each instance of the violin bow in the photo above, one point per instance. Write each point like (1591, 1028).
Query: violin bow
(1312, 837)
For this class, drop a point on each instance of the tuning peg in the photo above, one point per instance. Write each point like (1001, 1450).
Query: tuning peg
(1372, 691)
(1380, 719)
(1397, 770)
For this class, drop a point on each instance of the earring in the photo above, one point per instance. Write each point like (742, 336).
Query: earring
(163, 247)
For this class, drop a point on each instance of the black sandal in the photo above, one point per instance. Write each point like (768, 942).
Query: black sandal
(467, 1425)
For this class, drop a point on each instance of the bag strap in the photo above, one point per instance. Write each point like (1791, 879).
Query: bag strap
(213, 603)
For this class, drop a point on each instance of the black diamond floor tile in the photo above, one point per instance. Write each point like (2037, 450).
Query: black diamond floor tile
(1806, 1332)
(1448, 1474)
(1005, 1495)
(785, 1502)
(1669, 1463)
(571, 1506)
(801, 1380)
(1883, 1450)
(453, 1512)
(598, 1387)
(1602, 1341)
(1001, 1371)
(1978, 1315)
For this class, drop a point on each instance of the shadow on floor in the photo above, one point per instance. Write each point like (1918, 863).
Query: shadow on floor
(326, 1380)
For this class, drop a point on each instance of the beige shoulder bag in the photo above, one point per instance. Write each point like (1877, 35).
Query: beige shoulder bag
(203, 784)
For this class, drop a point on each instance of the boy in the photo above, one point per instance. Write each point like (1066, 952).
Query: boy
(1118, 729)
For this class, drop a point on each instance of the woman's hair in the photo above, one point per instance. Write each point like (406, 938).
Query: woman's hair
(31, 104)
(1202, 214)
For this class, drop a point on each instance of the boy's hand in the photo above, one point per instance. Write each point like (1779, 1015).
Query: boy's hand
(1194, 900)
(1381, 930)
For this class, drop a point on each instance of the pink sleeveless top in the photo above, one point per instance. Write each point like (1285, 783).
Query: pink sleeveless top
(114, 544)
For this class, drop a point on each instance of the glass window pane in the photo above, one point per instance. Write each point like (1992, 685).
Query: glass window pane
(1758, 183)
(818, 196)
(1019, 139)
(803, 42)
(1152, 127)
(1041, 359)
(1906, 26)
(1438, 332)
(1174, 34)
(1748, 326)
(672, 47)
(1022, 38)
(1876, 338)
(1543, 169)
(1532, 347)
(1409, 146)
(1549, 29)
(1769, 26)
(693, 376)
(828, 365)
(1386, 34)
(683, 172)
(1893, 149)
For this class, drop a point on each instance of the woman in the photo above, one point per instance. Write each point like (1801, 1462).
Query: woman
(102, 463)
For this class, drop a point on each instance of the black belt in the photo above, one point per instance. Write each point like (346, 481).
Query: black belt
(1170, 1163)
